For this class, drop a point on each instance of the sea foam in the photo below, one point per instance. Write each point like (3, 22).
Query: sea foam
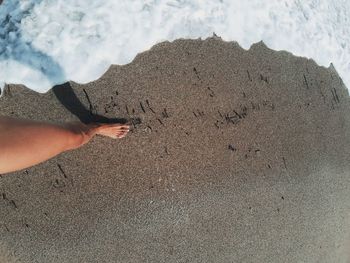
(47, 42)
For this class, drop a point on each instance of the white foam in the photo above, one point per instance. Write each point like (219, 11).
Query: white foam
(47, 42)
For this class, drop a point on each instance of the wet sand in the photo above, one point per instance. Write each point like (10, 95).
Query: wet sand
(238, 156)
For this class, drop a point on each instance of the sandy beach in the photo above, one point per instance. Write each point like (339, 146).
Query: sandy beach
(234, 156)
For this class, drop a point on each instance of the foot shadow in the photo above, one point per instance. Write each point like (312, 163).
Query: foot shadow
(66, 96)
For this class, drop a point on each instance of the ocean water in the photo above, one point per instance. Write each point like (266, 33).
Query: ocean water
(47, 42)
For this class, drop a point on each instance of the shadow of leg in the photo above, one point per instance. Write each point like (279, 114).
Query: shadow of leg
(70, 101)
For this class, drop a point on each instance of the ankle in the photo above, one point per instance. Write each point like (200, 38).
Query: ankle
(80, 134)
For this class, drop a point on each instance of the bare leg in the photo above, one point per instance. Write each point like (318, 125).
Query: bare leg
(24, 143)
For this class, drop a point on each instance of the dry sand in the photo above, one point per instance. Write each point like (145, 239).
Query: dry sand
(240, 156)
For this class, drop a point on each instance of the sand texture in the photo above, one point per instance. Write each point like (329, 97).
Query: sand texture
(235, 156)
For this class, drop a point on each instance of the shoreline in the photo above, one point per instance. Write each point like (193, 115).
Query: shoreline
(233, 147)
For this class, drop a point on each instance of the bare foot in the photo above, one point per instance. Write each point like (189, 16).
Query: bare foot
(114, 131)
(83, 133)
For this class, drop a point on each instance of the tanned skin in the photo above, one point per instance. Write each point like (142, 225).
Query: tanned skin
(25, 143)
